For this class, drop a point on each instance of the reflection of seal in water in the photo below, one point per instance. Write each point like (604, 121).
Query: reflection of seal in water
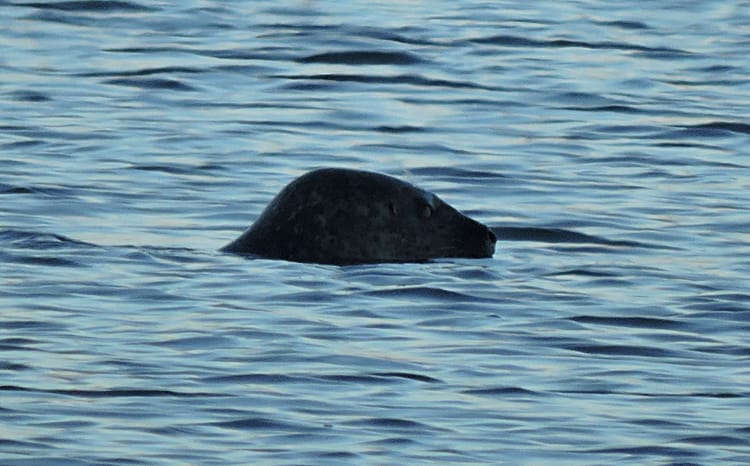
(338, 216)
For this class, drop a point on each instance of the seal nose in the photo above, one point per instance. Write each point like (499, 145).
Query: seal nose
(491, 240)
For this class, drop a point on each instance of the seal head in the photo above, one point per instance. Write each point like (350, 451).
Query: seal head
(343, 217)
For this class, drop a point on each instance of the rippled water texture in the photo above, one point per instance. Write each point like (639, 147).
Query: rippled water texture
(605, 143)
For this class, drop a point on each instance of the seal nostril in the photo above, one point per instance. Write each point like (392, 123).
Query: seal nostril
(491, 235)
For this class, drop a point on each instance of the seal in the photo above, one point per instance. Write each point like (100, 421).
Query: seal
(344, 217)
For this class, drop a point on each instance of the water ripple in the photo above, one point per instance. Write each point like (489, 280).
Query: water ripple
(558, 235)
(605, 145)
(636, 322)
(37, 241)
(405, 79)
(262, 424)
(113, 393)
(363, 57)
(89, 6)
(516, 41)
(155, 83)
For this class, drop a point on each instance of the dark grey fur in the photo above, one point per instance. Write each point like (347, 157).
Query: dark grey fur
(339, 216)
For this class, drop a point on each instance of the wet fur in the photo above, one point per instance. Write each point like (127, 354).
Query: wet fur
(340, 216)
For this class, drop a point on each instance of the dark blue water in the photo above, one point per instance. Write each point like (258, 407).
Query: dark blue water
(607, 145)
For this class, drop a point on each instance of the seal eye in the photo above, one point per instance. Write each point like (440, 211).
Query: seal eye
(426, 211)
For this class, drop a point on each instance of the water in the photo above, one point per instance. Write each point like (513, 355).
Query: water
(606, 145)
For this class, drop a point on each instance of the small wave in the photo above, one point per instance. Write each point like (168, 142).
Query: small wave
(400, 129)
(623, 350)
(694, 145)
(12, 366)
(635, 322)
(654, 450)
(348, 378)
(29, 96)
(260, 423)
(8, 189)
(241, 54)
(610, 108)
(20, 144)
(455, 172)
(384, 34)
(224, 54)
(446, 100)
(651, 422)
(88, 6)
(407, 375)
(46, 261)
(18, 344)
(198, 342)
(363, 57)
(408, 79)
(170, 169)
(28, 446)
(582, 98)
(722, 126)
(501, 391)
(633, 25)
(517, 41)
(393, 441)
(149, 50)
(168, 84)
(350, 457)
(422, 292)
(377, 378)
(141, 72)
(735, 82)
(115, 393)
(390, 423)
(264, 379)
(717, 440)
(34, 240)
(713, 69)
(558, 235)
(422, 148)
(288, 126)
(583, 273)
(644, 130)
(710, 395)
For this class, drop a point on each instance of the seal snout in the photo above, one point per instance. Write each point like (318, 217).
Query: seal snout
(490, 241)
(478, 239)
(491, 236)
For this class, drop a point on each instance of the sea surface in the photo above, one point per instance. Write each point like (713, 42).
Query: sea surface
(607, 143)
